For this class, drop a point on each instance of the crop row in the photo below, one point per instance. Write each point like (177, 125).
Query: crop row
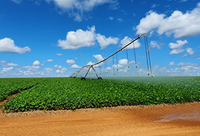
(70, 93)
(9, 86)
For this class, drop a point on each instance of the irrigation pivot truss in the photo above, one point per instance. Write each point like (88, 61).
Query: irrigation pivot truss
(89, 67)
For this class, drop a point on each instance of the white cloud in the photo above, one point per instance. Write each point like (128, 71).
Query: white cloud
(81, 5)
(104, 42)
(77, 8)
(188, 64)
(123, 62)
(7, 69)
(99, 58)
(49, 70)
(177, 51)
(12, 64)
(31, 67)
(111, 18)
(78, 39)
(183, 0)
(177, 47)
(179, 44)
(3, 62)
(182, 69)
(57, 67)
(49, 60)
(155, 44)
(90, 63)
(59, 70)
(179, 24)
(190, 51)
(172, 63)
(154, 5)
(120, 20)
(127, 40)
(8, 45)
(70, 62)
(151, 33)
(65, 4)
(150, 22)
(59, 54)
(17, 1)
(75, 66)
(36, 62)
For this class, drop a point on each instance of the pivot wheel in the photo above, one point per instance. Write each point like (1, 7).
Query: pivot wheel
(99, 78)
(83, 78)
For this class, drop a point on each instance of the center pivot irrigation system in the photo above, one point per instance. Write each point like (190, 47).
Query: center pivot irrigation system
(89, 67)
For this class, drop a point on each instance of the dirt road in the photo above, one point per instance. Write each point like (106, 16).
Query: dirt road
(176, 120)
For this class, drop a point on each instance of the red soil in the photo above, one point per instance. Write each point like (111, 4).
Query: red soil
(176, 120)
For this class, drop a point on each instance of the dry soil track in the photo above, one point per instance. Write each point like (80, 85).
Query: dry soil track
(172, 120)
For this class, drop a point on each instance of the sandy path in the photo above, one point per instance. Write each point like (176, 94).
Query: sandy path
(176, 120)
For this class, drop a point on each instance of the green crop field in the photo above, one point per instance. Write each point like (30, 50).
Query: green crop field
(72, 93)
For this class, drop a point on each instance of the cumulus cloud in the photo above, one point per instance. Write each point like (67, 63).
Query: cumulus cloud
(154, 5)
(70, 62)
(49, 60)
(77, 8)
(104, 42)
(2, 62)
(189, 51)
(127, 40)
(7, 69)
(8, 45)
(180, 69)
(111, 18)
(12, 64)
(123, 62)
(78, 39)
(177, 47)
(171, 63)
(180, 24)
(36, 62)
(48, 70)
(99, 58)
(155, 44)
(75, 66)
(59, 69)
(5, 64)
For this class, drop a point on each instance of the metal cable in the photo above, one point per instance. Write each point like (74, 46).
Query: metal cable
(146, 55)
(149, 56)
(117, 61)
(127, 58)
(135, 56)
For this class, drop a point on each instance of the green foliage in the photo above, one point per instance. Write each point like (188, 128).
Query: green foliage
(9, 86)
(72, 93)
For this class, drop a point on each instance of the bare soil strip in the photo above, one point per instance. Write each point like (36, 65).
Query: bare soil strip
(8, 98)
(167, 120)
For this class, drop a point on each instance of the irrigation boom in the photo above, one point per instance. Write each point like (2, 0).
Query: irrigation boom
(91, 66)
(119, 49)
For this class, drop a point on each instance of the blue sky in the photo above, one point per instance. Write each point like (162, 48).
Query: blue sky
(54, 38)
